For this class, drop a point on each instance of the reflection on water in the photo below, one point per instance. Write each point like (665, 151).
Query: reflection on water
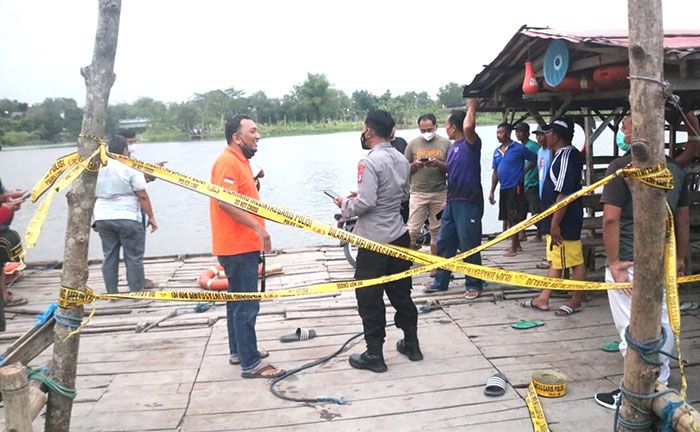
(297, 169)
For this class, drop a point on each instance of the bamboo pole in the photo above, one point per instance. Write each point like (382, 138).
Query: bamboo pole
(647, 107)
(685, 418)
(99, 77)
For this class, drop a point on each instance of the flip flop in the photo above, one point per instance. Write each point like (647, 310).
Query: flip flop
(525, 324)
(688, 306)
(496, 385)
(543, 265)
(264, 371)
(472, 294)
(566, 310)
(613, 346)
(301, 334)
(234, 359)
(528, 304)
(14, 300)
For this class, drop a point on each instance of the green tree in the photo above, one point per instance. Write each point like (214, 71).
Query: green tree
(362, 101)
(450, 95)
(56, 119)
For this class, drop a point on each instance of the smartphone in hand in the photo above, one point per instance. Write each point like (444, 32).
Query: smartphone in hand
(26, 194)
(331, 194)
(423, 159)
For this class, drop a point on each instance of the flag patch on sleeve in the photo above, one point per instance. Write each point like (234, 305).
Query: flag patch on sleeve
(228, 180)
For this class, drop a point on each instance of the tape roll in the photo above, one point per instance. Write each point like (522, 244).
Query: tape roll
(549, 383)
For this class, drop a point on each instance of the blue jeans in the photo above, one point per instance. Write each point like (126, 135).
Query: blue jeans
(460, 229)
(124, 234)
(242, 273)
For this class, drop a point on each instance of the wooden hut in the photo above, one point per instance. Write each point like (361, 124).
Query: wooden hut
(594, 91)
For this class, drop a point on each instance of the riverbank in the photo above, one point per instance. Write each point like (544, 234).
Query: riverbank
(164, 133)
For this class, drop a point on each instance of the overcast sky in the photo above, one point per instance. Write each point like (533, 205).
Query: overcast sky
(169, 50)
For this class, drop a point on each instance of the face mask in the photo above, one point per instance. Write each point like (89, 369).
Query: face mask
(363, 141)
(247, 151)
(428, 135)
(132, 149)
(620, 141)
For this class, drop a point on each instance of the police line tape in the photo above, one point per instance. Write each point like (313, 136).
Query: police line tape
(539, 422)
(658, 176)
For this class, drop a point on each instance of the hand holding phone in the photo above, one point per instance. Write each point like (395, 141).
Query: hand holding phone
(331, 194)
(26, 194)
(423, 159)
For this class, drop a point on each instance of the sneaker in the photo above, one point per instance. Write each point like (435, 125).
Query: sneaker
(608, 400)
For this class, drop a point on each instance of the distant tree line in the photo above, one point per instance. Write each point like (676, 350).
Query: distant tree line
(314, 101)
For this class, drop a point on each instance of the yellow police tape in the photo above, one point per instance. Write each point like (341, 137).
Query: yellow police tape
(658, 176)
(549, 383)
(539, 422)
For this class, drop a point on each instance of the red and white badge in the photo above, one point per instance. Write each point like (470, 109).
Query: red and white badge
(360, 171)
(228, 180)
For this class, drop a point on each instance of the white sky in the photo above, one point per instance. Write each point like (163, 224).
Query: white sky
(169, 50)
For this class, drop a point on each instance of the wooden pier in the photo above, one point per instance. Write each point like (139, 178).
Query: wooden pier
(176, 376)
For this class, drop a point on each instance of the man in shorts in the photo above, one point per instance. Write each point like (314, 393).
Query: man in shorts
(531, 179)
(508, 168)
(564, 249)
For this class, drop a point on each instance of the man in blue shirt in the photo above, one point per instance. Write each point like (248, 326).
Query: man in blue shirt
(461, 219)
(564, 249)
(508, 168)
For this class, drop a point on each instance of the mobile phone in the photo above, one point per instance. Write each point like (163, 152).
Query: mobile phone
(26, 194)
(331, 194)
(423, 159)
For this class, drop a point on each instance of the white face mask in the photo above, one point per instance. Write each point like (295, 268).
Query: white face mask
(428, 135)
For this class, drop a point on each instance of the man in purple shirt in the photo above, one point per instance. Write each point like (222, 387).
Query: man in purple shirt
(508, 169)
(461, 218)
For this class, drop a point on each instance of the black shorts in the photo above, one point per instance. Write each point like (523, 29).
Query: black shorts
(512, 206)
(532, 196)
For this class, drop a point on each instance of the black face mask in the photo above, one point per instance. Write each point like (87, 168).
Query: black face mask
(247, 151)
(363, 141)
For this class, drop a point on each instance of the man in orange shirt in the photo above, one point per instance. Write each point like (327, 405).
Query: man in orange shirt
(237, 239)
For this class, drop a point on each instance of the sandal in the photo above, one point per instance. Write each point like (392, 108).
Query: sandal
(264, 371)
(14, 300)
(301, 334)
(566, 310)
(472, 294)
(234, 359)
(528, 304)
(496, 385)
(542, 265)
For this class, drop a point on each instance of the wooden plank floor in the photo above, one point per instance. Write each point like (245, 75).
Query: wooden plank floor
(176, 377)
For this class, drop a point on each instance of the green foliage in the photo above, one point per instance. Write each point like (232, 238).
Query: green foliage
(313, 106)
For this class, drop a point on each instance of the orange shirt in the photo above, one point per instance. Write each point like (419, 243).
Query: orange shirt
(232, 171)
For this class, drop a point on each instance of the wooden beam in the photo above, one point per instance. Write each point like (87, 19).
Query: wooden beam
(606, 121)
(31, 344)
(599, 60)
(685, 417)
(564, 105)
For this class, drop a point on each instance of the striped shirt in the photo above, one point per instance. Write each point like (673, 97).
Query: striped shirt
(564, 177)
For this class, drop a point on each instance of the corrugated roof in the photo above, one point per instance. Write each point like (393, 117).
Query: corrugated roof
(501, 80)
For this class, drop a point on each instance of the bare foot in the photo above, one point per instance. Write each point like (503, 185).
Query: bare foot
(510, 253)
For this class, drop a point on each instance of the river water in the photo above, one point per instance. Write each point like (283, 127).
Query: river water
(297, 169)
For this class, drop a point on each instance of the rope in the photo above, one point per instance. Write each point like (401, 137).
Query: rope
(667, 416)
(72, 323)
(51, 384)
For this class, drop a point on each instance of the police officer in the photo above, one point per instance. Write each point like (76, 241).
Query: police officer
(382, 184)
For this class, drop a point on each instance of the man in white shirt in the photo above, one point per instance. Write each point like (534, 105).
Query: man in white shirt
(121, 194)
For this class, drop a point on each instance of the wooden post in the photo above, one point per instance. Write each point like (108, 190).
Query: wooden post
(14, 386)
(647, 107)
(99, 77)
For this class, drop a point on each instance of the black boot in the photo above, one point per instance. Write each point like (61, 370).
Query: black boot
(409, 345)
(372, 359)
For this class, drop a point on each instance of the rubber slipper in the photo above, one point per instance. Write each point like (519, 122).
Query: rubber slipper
(430, 288)
(528, 304)
(544, 265)
(264, 371)
(566, 310)
(525, 324)
(688, 306)
(14, 300)
(301, 334)
(234, 359)
(496, 385)
(613, 346)
(472, 294)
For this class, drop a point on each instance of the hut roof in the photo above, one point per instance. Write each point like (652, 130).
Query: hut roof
(501, 80)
